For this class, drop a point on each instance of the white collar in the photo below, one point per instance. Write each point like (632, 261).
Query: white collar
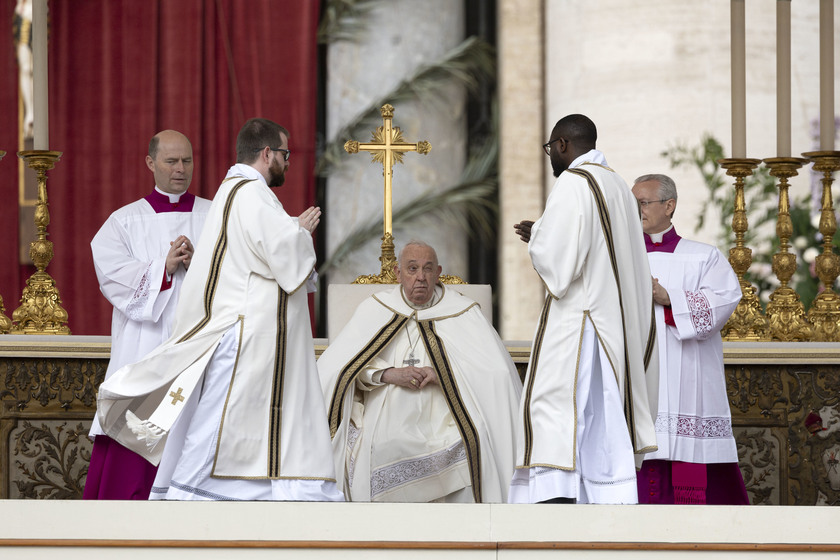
(246, 171)
(592, 156)
(173, 198)
(657, 237)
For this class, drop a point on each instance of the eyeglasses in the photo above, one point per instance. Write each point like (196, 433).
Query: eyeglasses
(547, 145)
(286, 153)
(644, 203)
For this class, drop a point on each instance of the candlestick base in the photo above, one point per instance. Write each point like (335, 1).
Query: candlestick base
(40, 311)
(5, 322)
(388, 260)
(824, 314)
(785, 312)
(747, 321)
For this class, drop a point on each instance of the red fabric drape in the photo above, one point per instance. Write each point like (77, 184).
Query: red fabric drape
(10, 287)
(121, 70)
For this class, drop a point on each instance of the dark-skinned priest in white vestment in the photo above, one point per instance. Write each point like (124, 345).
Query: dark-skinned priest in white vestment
(421, 394)
(589, 401)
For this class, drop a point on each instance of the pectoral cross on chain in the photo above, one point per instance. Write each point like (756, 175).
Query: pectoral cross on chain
(176, 397)
(411, 361)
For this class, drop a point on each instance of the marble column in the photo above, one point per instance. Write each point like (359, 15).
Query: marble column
(522, 164)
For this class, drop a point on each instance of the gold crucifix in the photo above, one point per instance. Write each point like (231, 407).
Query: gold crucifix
(386, 147)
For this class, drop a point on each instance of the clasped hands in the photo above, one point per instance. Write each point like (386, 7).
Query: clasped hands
(409, 377)
(180, 252)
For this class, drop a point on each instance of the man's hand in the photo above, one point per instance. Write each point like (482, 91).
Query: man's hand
(409, 377)
(660, 294)
(180, 252)
(310, 218)
(523, 230)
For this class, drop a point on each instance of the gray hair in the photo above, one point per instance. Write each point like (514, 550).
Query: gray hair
(667, 187)
(416, 243)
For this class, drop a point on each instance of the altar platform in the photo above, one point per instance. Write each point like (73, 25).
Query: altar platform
(784, 398)
(72, 530)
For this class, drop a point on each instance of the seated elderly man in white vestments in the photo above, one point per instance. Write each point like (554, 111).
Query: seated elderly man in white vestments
(421, 394)
(586, 417)
(695, 291)
(232, 401)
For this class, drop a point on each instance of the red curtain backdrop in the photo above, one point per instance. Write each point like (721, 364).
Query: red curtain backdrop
(121, 70)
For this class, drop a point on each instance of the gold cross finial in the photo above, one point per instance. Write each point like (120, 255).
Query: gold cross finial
(387, 146)
(176, 397)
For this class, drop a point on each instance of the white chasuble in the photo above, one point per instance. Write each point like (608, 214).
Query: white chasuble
(694, 422)
(589, 252)
(248, 269)
(398, 444)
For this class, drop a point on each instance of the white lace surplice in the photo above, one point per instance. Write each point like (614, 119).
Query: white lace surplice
(694, 422)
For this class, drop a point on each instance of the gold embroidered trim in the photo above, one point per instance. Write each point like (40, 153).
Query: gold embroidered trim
(545, 465)
(215, 264)
(651, 341)
(348, 375)
(449, 385)
(606, 228)
(415, 311)
(532, 373)
(288, 477)
(227, 397)
(610, 169)
(276, 410)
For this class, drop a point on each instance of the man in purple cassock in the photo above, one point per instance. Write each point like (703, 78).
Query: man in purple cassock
(694, 291)
(141, 254)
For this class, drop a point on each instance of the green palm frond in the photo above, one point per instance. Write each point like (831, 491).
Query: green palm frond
(466, 65)
(344, 20)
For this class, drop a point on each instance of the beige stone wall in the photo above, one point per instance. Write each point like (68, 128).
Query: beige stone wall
(522, 162)
(656, 73)
(651, 74)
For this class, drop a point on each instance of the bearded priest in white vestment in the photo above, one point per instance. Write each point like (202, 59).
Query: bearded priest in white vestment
(232, 401)
(141, 255)
(695, 290)
(421, 394)
(586, 417)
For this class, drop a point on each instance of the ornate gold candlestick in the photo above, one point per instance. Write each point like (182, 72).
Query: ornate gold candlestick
(747, 321)
(824, 314)
(785, 312)
(40, 311)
